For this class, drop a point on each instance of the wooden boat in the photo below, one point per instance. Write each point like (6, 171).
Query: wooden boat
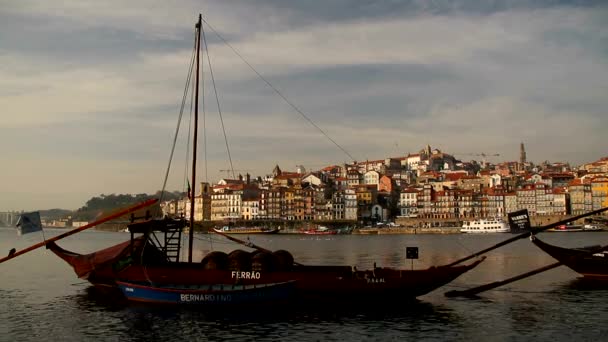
(148, 267)
(566, 228)
(246, 230)
(592, 228)
(367, 231)
(320, 230)
(591, 262)
(157, 269)
(141, 263)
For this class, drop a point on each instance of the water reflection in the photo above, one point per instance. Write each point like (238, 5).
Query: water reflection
(40, 302)
(299, 324)
(586, 284)
(92, 299)
(154, 322)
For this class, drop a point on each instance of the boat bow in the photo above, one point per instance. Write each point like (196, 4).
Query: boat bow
(86, 265)
(591, 262)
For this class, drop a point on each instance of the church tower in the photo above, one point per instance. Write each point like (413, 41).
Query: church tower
(522, 153)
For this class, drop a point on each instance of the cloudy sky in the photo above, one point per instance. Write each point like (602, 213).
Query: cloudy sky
(90, 90)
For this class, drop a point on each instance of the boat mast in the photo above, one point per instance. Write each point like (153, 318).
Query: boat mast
(198, 50)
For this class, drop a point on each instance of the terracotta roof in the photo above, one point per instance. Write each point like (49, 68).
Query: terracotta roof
(557, 174)
(453, 176)
(432, 173)
(329, 168)
(559, 190)
(580, 181)
(288, 175)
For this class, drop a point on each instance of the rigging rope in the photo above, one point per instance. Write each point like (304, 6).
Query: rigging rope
(217, 101)
(293, 106)
(181, 111)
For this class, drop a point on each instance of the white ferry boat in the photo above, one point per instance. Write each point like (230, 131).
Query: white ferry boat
(485, 226)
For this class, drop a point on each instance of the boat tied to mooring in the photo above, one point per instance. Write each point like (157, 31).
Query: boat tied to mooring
(149, 267)
(247, 230)
(481, 226)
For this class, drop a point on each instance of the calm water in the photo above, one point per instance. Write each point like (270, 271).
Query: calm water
(41, 298)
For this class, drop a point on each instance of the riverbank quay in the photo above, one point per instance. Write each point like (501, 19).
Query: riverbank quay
(406, 230)
(535, 221)
(417, 230)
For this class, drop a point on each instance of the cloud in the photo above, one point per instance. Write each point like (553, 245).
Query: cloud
(91, 92)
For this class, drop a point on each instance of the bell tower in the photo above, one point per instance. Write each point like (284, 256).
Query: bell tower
(522, 153)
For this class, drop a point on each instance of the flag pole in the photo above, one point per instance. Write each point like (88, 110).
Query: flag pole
(117, 214)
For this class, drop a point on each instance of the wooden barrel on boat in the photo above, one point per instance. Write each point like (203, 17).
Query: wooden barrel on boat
(215, 260)
(283, 259)
(263, 261)
(239, 260)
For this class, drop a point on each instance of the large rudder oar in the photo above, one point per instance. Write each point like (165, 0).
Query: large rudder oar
(77, 230)
(486, 287)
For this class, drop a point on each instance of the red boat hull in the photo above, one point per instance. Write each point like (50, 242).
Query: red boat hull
(319, 283)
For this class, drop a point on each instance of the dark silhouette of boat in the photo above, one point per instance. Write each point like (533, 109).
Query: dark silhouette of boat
(590, 262)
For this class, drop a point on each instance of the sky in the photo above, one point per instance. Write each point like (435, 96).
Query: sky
(90, 91)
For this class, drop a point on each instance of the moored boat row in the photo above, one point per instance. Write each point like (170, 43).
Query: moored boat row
(247, 230)
(569, 228)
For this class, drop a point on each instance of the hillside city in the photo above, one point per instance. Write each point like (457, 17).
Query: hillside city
(430, 185)
(428, 188)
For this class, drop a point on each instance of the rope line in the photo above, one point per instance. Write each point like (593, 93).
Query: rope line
(293, 106)
(217, 100)
(181, 111)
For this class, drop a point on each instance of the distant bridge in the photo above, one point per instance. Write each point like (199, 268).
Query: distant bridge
(9, 218)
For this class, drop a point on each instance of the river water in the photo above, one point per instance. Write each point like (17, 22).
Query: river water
(41, 298)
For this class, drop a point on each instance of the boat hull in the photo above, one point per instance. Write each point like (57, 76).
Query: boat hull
(488, 231)
(483, 226)
(590, 262)
(211, 294)
(312, 283)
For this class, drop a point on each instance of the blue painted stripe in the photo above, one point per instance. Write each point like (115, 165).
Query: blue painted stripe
(263, 293)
